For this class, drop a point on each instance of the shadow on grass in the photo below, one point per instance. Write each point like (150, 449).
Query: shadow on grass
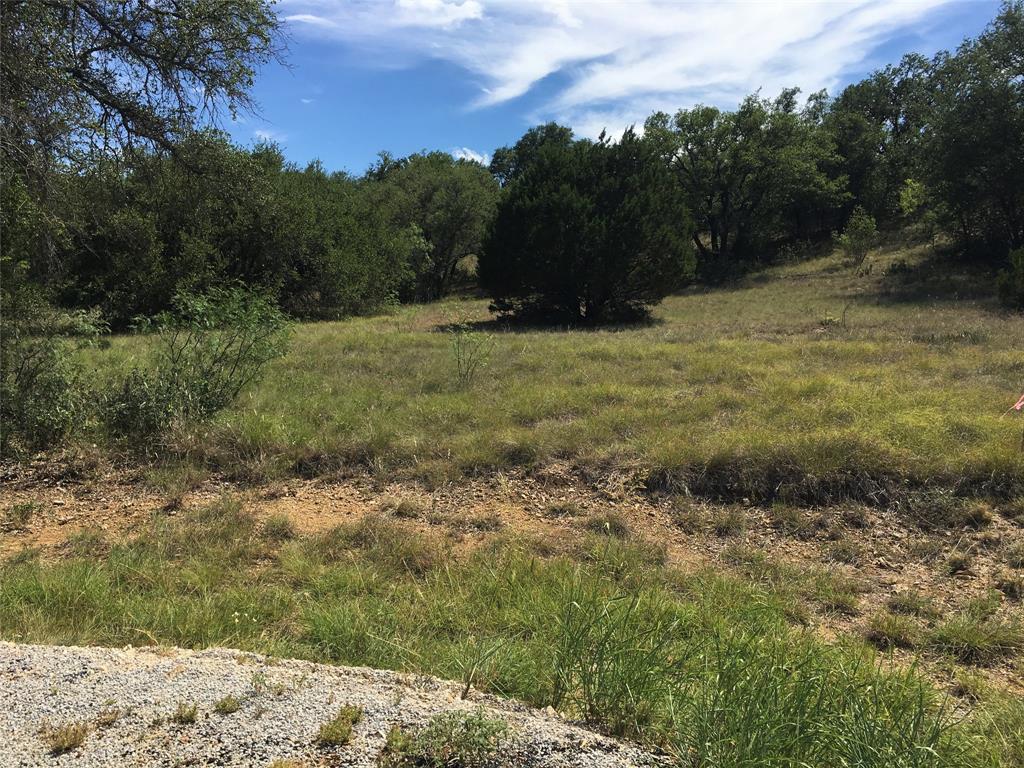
(507, 324)
(942, 276)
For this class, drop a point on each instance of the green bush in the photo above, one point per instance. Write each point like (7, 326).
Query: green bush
(1011, 281)
(211, 347)
(859, 236)
(41, 395)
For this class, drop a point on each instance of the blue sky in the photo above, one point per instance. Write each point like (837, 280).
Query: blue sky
(468, 76)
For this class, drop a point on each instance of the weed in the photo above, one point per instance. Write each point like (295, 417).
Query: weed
(563, 509)
(450, 740)
(1014, 554)
(472, 352)
(1010, 584)
(730, 521)
(856, 517)
(793, 521)
(227, 705)
(18, 516)
(892, 630)
(278, 528)
(688, 516)
(407, 507)
(337, 731)
(975, 638)
(185, 714)
(913, 603)
(608, 524)
(939, 509)
(959, 562)
(844, 550)
(1013, 510)
(107, 717)
(64, 738)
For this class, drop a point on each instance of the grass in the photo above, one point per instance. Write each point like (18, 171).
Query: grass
(701, 664)
(730, 393)
(185, 714)
(227, 705)
(449, 740)
(64, 738)
(337, 731)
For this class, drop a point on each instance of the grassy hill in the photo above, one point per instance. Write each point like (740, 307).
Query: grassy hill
(779, 524)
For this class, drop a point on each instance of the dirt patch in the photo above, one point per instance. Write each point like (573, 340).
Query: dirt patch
(872, 555)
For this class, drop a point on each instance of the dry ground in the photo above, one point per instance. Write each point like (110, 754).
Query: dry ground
(873, 555)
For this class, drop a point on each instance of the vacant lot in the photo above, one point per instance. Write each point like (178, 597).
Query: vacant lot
(810, 383)
(802, 491)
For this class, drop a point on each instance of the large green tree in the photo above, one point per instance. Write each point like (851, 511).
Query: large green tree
(974, 139)
(588, 232)
(449, 201)
(753, 178)
(83, 79)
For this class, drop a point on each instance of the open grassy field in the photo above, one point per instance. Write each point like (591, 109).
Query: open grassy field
(808, 383)
(780, 524)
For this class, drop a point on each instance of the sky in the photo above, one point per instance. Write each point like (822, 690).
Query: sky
(467, 76)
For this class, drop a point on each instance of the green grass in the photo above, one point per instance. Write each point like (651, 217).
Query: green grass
(733, 393)
(705, 665)
(460, 739)
(337, 731)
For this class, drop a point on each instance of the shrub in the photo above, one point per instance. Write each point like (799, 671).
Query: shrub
(1011, 281)
(859, 236)
(211, 347)
(588, 232)
(41, 396)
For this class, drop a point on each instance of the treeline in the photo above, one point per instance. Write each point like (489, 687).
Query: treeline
(138, 231)
(574, 228)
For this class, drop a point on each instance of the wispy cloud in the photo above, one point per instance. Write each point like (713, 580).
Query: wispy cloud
(264, 134)
(465, 153)
(307, 101)
(615, 60)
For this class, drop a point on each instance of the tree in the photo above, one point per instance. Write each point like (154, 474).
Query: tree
(876, 126)
(753, 178)
(588, 232)
(974, 158)
(449, 202)
(89, 78)
(508, 163)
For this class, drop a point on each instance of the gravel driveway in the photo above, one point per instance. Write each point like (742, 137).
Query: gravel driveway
(126, 700)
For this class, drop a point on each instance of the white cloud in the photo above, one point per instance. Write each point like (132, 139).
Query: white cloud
(264, 134)
(465, 153)
(615, 60)
(307, 101)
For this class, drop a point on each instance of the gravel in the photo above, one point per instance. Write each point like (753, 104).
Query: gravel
(283, 703)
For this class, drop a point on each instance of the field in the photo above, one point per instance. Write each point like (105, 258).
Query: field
(782, 518)
(808, 384)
